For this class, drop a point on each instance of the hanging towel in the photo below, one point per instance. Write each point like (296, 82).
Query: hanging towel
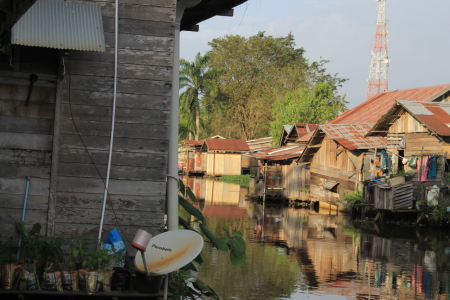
(422, 171)
(433, 168)
(413, 162)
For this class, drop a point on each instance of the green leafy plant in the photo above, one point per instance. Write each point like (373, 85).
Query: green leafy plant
(351, 199)
(75, 251)
(30, 242)
(51, 251)
(96, 258)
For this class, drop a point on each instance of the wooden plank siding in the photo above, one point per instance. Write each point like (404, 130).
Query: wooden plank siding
(26, 137)
(331, 164)
(220, 164)
(138, 166)
(296, 181)
(62, 138)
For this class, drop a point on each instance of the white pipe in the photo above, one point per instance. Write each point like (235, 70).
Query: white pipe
(172, 167)
(113, 118)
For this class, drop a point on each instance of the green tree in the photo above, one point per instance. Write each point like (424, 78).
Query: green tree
(196, 81)
(317, 106)
(255, 72)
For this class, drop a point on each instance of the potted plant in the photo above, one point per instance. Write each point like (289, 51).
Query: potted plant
(29, 249)
(52, 257)
(96, 262)
(8, 264)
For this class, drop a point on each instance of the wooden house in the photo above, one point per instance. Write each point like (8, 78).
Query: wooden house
(192, 158)
(225, 156)
(417, 132)
(60, 93)
(336, 158)
(279, 176)
(339, 154)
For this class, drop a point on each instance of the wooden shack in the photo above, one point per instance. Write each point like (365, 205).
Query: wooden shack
(417, 131)
(335, 156)
(279, 177)
(225, 156)
(56, 106)
(191, 157)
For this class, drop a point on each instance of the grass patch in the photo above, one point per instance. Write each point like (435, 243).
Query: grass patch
(243, 180)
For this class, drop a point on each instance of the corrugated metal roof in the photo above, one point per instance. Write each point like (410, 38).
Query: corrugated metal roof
(351, 136)
(371, 110)
(306, 137)
(435, 116)
(193, 143)
(279, 153)
(61, 25)
(227, 144)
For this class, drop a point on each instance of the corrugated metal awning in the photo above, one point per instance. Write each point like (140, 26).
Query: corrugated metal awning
(61, 25)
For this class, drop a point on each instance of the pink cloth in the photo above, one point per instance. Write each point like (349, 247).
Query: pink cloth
(422, 169)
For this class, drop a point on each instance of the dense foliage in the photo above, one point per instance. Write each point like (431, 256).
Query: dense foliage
(264, 82)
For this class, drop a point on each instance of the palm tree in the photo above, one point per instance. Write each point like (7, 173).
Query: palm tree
(196, 79)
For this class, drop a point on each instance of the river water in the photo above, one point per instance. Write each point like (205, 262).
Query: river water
(299, 253)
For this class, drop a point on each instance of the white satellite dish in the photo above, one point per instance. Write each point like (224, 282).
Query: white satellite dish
(170, 251)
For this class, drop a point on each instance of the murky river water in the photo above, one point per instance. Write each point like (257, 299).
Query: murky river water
(297, 253)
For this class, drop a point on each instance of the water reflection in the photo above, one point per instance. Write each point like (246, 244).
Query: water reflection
(303, 254)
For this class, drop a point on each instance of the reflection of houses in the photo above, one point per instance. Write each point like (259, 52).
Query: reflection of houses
(225, 156)
(418, 135)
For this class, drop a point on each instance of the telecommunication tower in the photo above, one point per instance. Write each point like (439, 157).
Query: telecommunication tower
(378, 75)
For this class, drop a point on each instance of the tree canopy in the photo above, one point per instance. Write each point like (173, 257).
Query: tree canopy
(256, 78)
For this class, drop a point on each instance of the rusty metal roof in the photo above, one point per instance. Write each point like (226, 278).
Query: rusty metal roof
(226, 145)
(351, 136)
(279, 153)
(371, 110)
(193, 143)
(435, 116)
(305, 138)
(61, 25)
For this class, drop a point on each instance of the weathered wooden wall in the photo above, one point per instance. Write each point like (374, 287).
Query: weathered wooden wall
(137, 180)
(296, 180)
(331, 164)
(26, 136)
(220, 164)
(62, 138)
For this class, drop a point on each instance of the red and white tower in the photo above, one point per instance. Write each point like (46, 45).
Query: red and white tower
(378, 75)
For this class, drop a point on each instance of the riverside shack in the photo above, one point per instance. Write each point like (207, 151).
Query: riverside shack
(225, 156)
(336, 156)
(279, 176)
(344, 156)
(418, 139)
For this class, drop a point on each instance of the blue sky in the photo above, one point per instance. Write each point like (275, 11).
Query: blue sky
(342, 31)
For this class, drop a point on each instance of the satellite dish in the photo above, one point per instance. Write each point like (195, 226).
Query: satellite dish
(170, 251)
